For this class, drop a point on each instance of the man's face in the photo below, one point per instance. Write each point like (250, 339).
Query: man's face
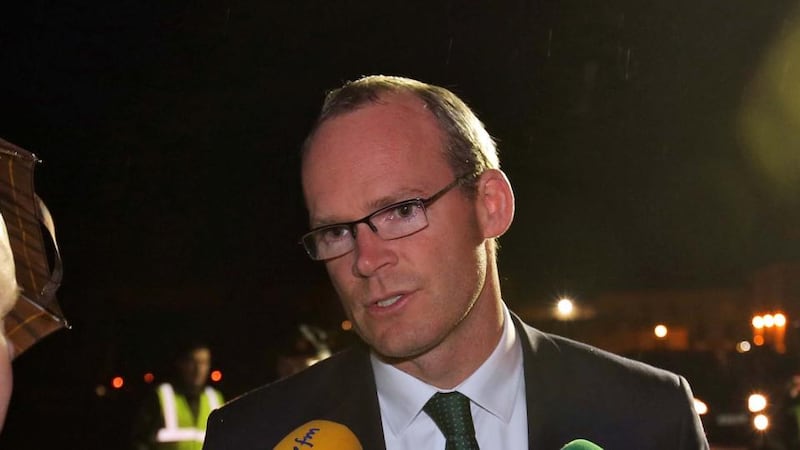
(194, 368)
(408, 295)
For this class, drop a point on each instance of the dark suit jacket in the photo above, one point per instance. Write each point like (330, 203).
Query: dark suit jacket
(573, 391)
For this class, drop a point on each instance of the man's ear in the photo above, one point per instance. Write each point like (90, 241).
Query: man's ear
(495, 203)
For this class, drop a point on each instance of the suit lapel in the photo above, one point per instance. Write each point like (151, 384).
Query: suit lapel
(539, 374)
(356, 404)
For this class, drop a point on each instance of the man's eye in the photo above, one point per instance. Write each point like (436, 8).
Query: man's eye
(406, 210)
(334, 233)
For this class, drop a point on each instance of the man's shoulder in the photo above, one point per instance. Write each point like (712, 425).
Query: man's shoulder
(308, 384)
(573, 359)
(339, 389)
(576, 390)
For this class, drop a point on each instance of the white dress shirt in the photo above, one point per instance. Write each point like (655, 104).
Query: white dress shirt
(497, 401)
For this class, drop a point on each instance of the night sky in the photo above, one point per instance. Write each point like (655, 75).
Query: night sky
(169, 134)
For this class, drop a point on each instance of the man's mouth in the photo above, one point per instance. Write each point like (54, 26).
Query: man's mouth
(389, 301)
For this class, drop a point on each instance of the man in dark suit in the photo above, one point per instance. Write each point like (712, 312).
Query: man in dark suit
(406, 200)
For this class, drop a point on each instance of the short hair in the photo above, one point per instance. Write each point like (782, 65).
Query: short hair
(469, 149)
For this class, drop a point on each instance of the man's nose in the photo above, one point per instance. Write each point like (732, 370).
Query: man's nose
(371, 251)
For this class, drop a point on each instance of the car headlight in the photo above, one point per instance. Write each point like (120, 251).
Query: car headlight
(756, 403)
(761, 422)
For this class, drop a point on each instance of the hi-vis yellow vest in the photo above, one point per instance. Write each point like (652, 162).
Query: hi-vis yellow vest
(183, 431)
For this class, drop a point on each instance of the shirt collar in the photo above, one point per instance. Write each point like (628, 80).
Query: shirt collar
(492, 387)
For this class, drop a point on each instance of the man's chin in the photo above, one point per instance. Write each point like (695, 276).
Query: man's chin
(394, 353)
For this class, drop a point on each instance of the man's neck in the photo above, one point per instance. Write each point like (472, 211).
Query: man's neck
(463, 351)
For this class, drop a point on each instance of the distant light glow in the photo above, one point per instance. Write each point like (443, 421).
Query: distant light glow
(756, 403)
(347, 325)
(660, 331)
(758, 340)
(700, 406)
(565, 308)
(761, 422)
(117, 382)
(780, 320)
(743, 347)
(769, 320)
(216, 376)
(149, 377)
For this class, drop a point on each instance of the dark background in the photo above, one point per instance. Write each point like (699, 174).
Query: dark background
(169, 134)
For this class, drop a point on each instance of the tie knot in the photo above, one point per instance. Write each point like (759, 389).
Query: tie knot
(451, 413)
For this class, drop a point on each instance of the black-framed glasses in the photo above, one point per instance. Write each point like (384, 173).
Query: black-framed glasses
(394, 221)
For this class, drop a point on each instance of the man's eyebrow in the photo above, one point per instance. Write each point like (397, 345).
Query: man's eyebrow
(397, 197)
(322, 222)
(372, 206)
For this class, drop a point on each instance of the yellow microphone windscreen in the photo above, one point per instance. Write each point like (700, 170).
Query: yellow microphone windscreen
(320, 435)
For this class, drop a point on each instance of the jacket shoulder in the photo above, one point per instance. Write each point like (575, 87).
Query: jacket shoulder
(266, 414)
(577, 359)
(576, 390)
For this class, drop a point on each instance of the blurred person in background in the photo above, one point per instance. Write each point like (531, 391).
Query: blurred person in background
(304, 346)
(174, 416)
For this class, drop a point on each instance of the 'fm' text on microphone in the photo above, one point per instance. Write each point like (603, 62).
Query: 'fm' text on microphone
(320, 435)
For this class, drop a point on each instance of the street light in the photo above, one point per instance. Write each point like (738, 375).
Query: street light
(772, 327)
(565, 308)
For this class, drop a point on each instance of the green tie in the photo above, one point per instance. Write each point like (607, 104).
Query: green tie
(451, 413)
